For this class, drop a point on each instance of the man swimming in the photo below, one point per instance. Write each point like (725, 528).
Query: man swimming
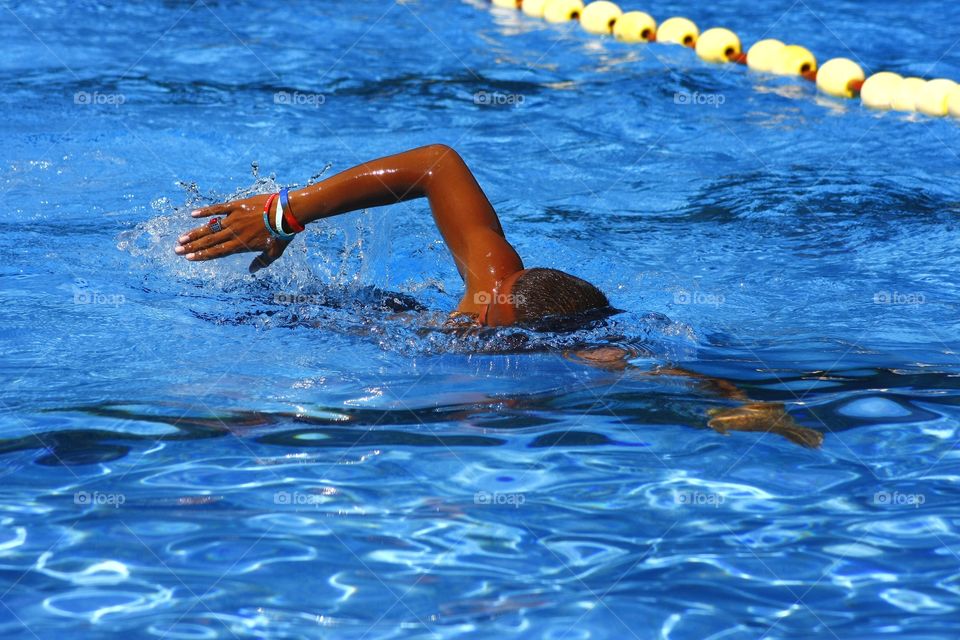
(499, 290)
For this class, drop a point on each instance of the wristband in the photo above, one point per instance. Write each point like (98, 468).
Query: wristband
(288, 216)
(278, 221)
(266, 216)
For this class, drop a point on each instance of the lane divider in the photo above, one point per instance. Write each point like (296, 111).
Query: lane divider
(838, 77)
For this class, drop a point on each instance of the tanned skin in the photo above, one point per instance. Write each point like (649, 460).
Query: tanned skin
(488, 264)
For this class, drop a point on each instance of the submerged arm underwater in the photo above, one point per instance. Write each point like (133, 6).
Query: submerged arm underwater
(750, 415)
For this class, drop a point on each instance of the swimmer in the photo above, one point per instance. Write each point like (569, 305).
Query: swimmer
(500, 291)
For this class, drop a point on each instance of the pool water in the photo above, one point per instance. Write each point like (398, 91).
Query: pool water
(188, 451)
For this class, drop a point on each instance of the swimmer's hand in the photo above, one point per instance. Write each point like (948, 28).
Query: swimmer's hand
(610, 358)
(767, 417)
(242, 231)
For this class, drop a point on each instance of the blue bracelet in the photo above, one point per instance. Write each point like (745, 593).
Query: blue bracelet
(285, 198)
(266, 223)
(288, 216)
(278, 217)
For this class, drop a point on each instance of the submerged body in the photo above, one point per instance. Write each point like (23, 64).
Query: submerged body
(499, 290)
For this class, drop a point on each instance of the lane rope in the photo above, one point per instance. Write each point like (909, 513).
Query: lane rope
(837, 77)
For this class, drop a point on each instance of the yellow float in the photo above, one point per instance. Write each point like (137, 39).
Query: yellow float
(600, 16)
(718, 45)
(533, 7)
(763, 55)
(905, 98)
(836, 77)
(635, 26)
(794, 60)
(953, 103)
(678, 31)
(878, 90)
(933, 97)
(562, 10)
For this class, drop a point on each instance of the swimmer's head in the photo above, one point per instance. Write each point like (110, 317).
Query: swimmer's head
(546, 298)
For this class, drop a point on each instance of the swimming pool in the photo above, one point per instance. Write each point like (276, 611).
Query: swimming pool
(192, 452)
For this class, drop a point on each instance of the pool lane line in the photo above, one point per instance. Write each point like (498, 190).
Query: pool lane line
(837, 77)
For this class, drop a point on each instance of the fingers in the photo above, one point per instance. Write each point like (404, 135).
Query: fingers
(204, 242)
(194, 234)
(769, 418)
(804, 437)
(217, 251)
(213, 210)
(718, 426)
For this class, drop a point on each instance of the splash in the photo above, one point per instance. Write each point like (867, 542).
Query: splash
(334, 252)
(336, 279)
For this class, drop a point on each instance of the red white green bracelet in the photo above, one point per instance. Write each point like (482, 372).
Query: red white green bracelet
(266, 217)
(281, 215)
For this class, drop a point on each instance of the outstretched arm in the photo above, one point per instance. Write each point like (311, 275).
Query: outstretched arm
(749, 415)
(462, 213)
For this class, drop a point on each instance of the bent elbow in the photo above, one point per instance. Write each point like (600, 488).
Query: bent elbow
(441, 157)
(441, 153)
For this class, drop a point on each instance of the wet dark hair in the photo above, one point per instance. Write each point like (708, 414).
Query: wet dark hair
(552, 296)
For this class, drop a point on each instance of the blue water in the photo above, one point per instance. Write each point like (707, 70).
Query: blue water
(188, 451)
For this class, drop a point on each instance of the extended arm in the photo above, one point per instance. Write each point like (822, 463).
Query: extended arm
(748, 415)
(462, 213)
